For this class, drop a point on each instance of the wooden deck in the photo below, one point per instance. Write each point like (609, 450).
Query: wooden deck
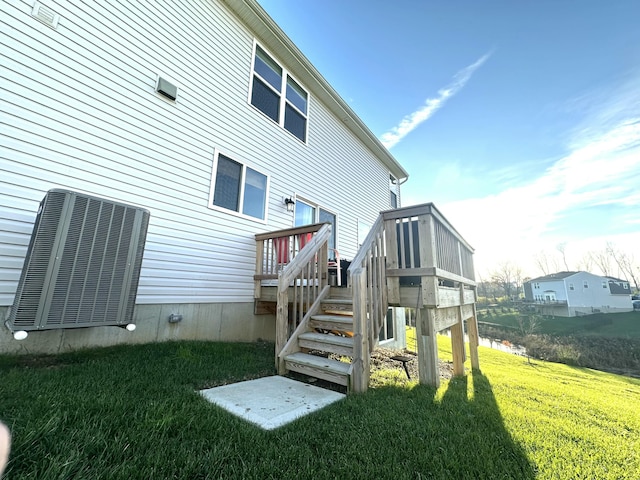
(412, 258)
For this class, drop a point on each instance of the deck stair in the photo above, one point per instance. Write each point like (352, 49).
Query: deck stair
(412, 257)
(328, 332)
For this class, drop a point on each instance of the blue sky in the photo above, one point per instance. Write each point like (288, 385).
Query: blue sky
(519, 120)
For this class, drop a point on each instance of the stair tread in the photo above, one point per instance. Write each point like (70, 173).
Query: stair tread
(346, 319)
(334, 366)
(325, 338)
(342, 301)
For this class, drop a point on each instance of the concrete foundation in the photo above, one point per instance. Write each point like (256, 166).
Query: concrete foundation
(227, 322)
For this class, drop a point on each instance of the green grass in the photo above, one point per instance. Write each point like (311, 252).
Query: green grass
(131, 412)
(609, 325)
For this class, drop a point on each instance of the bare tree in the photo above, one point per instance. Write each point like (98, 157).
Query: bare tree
(602, 260)
(542, 262)
(508, 277)
(528, 325)
(561, 247)
(586, 263)
(626, 264)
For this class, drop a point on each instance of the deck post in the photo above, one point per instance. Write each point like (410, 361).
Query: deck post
(360, 364)
(428, 371)
(257, 284)
(457, 345)
(282, 325)
(472, 329)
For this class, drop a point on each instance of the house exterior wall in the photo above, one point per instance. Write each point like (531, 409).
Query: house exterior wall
(586, 300)
(573, 298)
(80, 112)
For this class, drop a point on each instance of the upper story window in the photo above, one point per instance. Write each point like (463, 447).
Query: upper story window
(276, 94)
(605, 285)
(585, 284)
(536, 285)
(571, 286)
(238, 188)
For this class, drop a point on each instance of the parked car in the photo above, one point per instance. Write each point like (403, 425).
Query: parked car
(636, 304)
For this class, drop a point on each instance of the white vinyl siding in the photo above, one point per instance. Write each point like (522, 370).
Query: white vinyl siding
(85, 116)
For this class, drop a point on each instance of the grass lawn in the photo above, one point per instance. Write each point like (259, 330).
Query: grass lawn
(607, 325)
(131, 412)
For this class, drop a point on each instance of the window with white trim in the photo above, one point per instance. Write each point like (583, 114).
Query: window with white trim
(307, 213)
(276, 94)
(393, 191)
(571, 286)
(585, 284)
(237, 188)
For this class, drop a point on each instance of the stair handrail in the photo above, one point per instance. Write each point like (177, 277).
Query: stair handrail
(307, 274)
(292, 344)
(367, 277)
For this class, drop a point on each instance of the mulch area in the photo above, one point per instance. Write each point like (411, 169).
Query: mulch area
(382, 359)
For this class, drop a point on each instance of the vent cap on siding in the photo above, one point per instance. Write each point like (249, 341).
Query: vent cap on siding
(45, 15)
(83, 264)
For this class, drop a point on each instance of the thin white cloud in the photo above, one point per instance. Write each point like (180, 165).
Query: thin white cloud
(432, 105)
(600, 169)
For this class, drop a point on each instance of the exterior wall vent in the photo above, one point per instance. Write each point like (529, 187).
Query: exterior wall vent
(166, 88)
(45, 15)
(82, 265)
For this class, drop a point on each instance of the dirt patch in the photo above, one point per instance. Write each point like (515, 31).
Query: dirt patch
(384, 369)
(383, 359)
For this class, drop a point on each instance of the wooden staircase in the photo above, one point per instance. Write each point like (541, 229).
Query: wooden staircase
(314, 320)
(328, 332)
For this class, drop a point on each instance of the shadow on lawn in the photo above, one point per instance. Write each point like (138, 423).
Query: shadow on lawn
(411, 433)
(484, 444)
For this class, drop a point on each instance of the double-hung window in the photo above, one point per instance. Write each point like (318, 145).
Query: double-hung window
(276, 94)
(238, 188)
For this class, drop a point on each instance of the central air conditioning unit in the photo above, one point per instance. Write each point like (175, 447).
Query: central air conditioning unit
(82, 266)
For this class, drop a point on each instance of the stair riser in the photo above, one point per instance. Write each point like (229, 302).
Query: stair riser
(318, 373)
(327, 325)
(326, 347)
(330, 308)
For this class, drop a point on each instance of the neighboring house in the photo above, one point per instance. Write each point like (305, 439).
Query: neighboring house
(205, 114)
(569, 294)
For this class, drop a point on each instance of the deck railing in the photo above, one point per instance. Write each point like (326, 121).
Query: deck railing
(367, 278)
(298, 259)
(275, 250)
(423, 248)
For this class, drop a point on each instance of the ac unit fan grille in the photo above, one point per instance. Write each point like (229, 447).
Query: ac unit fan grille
(83, 264)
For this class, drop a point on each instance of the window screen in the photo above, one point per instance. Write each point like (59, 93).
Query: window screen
(227, 189)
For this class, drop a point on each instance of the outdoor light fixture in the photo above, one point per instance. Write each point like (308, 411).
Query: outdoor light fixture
(20, 335)
(289, 203)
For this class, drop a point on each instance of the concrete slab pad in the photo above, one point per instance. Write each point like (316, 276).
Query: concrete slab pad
(271, 402)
